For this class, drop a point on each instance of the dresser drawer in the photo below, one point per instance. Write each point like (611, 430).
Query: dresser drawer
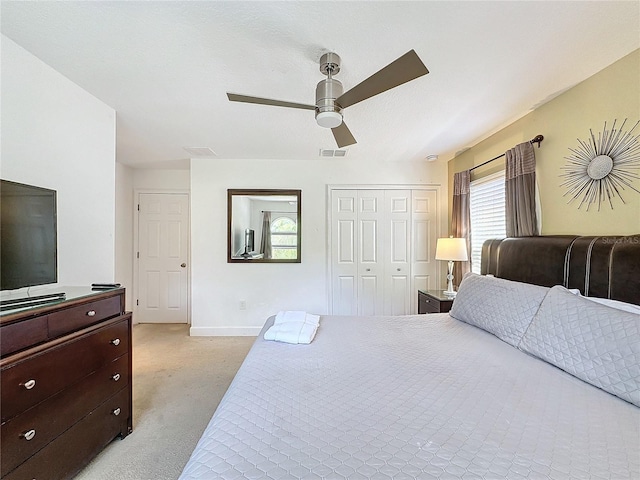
(68, 453)
(43, 373)
(428, 305)
(75, 318)
(433, 301)
(20, 335)
(52, 417)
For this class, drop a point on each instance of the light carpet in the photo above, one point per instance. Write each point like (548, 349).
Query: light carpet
(178, 382)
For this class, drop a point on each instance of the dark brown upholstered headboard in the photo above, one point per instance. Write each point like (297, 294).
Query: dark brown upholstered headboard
(607, 267)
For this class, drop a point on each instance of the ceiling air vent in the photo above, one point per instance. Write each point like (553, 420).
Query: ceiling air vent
(200, 151)
(332, 153)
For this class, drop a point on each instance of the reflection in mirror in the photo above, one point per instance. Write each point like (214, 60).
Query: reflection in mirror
(264, 226)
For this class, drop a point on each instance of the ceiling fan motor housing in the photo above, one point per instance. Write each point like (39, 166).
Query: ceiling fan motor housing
(327, 111)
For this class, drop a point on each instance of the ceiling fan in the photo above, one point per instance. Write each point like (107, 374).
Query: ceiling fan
(330, 100)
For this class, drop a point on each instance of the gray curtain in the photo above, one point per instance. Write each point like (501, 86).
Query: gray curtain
(461, 220)
(265, 241)
(520, 191)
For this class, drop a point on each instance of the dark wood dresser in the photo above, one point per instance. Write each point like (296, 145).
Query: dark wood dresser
(65, 379)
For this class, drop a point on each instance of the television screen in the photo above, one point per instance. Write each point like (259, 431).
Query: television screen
(28, 236)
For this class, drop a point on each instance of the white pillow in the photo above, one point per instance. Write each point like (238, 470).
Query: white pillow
(593, 342)
(501, 307)
(627, 307)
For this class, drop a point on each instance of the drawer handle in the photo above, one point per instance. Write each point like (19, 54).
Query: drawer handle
(115, 341)
(91, 313)
(116, 412)
(115, 377)
(28, 435)
(29, 384)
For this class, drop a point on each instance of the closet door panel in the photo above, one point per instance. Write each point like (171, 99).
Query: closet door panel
(370, 259)
(344, 295)
(369, 297)
(344, 253)
(397, 252)
(346, 242)
(399, 246)
(369, 242)
(425, 271)
(382, 248)
(398, 295)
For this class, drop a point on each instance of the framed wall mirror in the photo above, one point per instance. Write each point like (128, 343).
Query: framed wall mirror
(263, 226)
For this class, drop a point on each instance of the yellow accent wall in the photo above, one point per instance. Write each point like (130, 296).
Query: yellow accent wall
(613, 93)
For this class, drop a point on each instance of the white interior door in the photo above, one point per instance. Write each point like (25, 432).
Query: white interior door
(397, 252)
(370, 252)
(344, 254)
(163, 263)
(382, 249)
(424, 233)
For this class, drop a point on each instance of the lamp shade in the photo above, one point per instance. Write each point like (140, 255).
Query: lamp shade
(452, 249)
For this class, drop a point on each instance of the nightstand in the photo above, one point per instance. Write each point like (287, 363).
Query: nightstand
(433, 301)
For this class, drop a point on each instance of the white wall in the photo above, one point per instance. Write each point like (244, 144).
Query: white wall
(158, 179)
(124, 231)
(58, 136)
(218, 286)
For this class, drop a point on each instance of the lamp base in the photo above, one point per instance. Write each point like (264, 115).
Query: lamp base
(450, 292)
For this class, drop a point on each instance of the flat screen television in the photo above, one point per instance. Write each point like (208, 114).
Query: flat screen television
(28, 236)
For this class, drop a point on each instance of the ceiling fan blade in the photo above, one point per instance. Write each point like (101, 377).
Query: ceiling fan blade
(343, 135)
(406, 68)
(266, 101)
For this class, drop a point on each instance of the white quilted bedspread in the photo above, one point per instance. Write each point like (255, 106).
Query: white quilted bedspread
(420, 397)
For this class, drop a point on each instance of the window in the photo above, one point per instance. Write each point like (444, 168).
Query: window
(284, 238)
(487, 202)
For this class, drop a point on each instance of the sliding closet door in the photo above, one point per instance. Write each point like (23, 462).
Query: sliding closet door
(397, 252)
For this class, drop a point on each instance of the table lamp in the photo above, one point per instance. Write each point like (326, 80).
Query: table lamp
(452, 250)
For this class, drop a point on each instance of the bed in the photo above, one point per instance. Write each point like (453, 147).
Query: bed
(499, 389)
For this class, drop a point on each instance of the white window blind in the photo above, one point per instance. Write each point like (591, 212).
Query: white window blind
(487, 213)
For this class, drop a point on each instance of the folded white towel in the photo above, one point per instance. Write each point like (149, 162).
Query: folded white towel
(289, 316)
(293, 327)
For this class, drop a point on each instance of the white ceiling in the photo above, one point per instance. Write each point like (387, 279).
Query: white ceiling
(165, 67)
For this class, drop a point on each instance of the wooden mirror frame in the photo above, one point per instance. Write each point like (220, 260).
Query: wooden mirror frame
(231, 193)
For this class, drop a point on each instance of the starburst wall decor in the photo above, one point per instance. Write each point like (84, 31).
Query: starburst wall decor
(599, 170)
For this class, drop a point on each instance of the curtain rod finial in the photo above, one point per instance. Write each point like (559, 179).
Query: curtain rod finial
(537, 139)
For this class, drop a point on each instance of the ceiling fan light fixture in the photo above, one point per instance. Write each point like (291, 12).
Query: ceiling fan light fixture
(331, 98)
(329, 119)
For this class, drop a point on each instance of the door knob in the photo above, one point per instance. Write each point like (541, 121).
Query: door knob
(183, 265)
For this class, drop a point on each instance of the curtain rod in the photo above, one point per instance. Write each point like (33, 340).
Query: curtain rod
(537, 139)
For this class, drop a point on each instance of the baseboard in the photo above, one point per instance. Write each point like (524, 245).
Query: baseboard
(224, 331)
